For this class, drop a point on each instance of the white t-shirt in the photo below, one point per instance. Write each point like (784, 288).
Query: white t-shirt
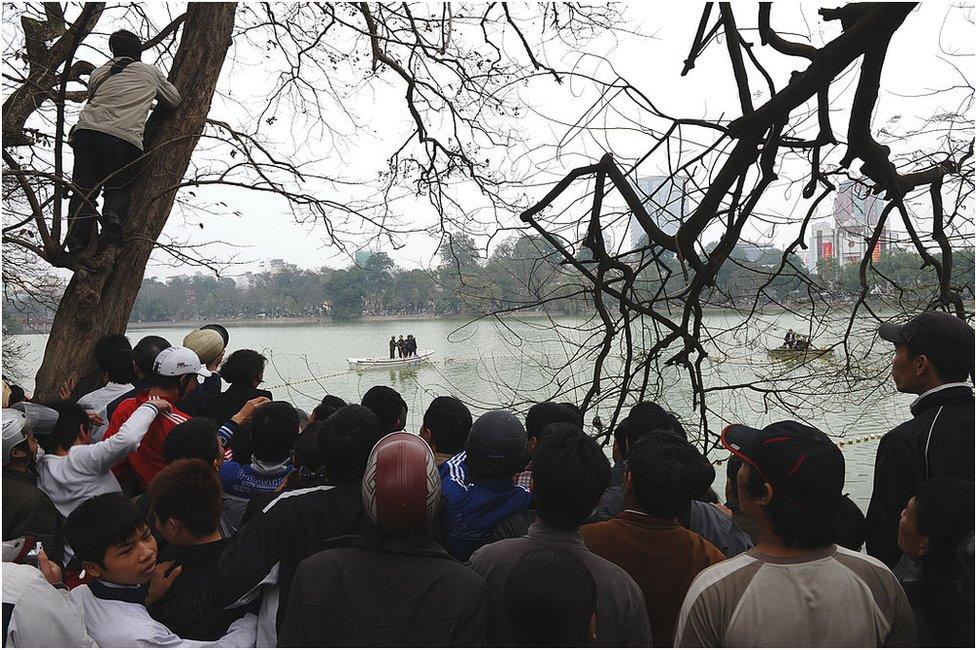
(40, 615)
(98, 401)
(87, 469)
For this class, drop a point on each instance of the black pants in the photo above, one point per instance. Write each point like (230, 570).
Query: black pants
(102, 161)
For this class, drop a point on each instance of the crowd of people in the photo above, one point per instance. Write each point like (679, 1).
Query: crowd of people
(161, 508)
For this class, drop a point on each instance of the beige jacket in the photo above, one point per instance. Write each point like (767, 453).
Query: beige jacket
(121, 102)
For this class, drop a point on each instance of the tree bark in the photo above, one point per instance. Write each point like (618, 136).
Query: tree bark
(99, 297)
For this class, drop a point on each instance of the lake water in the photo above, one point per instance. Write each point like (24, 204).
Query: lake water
(491, 364)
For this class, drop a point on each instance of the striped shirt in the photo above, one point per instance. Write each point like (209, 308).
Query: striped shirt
(828, 597)
(146, 461)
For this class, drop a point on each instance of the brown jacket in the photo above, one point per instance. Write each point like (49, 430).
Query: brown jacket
(662, 557)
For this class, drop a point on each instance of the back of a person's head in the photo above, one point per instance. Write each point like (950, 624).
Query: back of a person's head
(545, 413)
(648, 417)
(71, 418)
(449, 423)
(101, 522)
(243, 367)
(188, 491)
(577, 413)
(329, 405)
(569, 474)
(307, 453)
(145, 352)
(195, 438)
(113, 355)
(125, 43)
(550, 597)
(345, 440)
(944, 514)
(665, 475)
(273, 430)
(388, 405)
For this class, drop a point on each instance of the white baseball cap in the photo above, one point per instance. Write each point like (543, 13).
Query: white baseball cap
(179, 361)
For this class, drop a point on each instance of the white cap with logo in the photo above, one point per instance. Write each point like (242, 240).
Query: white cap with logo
(177, 362)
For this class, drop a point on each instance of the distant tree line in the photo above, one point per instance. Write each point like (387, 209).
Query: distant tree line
(521, 273)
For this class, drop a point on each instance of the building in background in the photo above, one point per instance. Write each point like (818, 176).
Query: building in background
(666, 203)
(362, 256)
(843, 234)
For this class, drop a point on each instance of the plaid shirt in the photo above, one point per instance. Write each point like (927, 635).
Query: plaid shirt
(524, 478)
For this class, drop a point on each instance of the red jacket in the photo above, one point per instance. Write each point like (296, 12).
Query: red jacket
(146, 461)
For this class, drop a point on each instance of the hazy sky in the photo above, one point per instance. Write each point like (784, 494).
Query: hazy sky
(919, 60)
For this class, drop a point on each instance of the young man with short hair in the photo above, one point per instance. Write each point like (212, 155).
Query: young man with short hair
(272, 432)
(447, 423)
(113, 356)
(388, 405)
(73, 468)
(569, 474)
(187, 503)
(174, 374)
(646, 540)
(477, 483)
(262, 558)
(933, 359)
(116, 549)
(144, 354)
(796, 587)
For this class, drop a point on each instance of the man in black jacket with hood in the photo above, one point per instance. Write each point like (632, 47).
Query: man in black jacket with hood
(933, 359)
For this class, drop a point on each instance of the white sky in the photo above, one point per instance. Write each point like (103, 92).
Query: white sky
(917, 62)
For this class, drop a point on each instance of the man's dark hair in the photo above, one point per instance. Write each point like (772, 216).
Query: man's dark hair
(307, 452)
(329, 405)
(944, 513)
(569, 474)
(71, 417)
(273, 430)
(949, 369)
(125, 43)
(345, 441)
(544, 413)
(666, 475)
(189, 491)
(796, 527)
(102, 522)
(576, 411)
(646, 417)
(195, 438)
(449, 423)
(388, 405)
(145, 352)
(243, 367)
(550, 597)
(113, 355)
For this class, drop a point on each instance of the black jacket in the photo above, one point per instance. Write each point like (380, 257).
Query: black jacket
(188, 608)
(382, 592)
(937, 442)
(294, 526)
(29, 512)
(225, 405)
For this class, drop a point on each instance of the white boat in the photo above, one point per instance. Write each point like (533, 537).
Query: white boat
(371, 363)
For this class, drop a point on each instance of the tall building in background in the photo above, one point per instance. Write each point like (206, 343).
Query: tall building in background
(843, 234)
(666, 203)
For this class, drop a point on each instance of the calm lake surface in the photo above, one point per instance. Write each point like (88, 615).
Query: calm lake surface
(491, 364)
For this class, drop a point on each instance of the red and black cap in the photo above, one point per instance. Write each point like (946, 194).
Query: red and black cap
(803, 464)
(934, 334)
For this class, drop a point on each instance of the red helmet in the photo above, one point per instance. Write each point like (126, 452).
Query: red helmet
(401, 486)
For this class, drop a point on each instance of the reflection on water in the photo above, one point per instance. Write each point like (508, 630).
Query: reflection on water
(491, 365)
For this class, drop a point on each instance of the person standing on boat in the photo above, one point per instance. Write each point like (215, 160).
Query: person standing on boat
(393, 347)
(790, 339)
(411, 343)
(934, 360)
(401, 347)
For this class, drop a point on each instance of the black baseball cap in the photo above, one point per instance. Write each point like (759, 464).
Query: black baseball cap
(802, 464)
(935, 334)
(496, 446)
(220, 329)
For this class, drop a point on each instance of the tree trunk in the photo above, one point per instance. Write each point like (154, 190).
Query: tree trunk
(99, 298)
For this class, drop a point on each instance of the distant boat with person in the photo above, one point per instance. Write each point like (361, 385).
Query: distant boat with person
(370, 363)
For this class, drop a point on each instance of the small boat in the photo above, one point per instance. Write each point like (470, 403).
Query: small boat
(783, 352)
(371, 363)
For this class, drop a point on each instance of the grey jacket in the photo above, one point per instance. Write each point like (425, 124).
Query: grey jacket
(620, 606)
